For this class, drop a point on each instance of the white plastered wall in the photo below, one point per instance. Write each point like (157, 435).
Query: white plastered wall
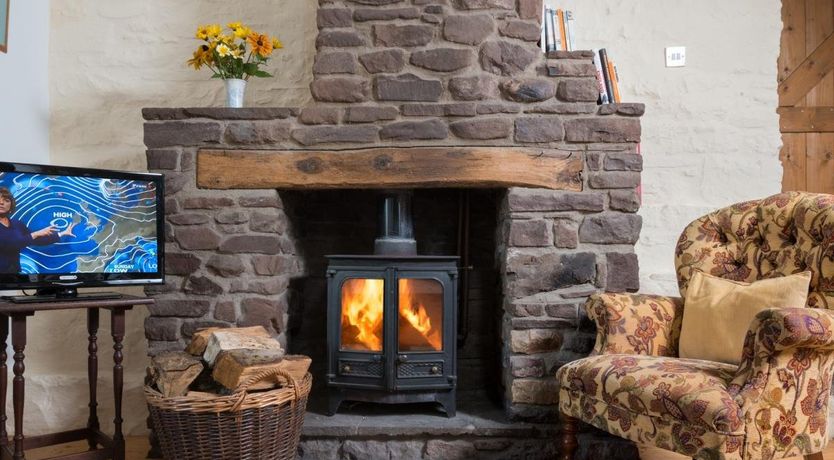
(710, 132)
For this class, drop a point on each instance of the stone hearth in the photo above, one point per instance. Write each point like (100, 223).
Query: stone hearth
(404, 74)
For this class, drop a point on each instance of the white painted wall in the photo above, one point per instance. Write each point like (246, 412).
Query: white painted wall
(710, 133)
(24, 84)
(109, 59)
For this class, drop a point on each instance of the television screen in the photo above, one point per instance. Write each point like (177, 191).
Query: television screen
(90, 226)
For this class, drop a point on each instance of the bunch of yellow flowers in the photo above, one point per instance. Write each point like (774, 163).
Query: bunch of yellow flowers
(226, 54)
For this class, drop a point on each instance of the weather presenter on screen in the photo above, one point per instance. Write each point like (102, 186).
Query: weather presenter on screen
(15, 235)
(70, 225)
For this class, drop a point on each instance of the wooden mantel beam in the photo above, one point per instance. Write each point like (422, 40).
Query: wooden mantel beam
(413, 167)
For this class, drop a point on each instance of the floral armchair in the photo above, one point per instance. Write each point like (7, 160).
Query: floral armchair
(774, 404)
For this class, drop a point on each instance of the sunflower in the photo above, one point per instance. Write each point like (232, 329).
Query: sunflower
(276, 44)
(261, 44)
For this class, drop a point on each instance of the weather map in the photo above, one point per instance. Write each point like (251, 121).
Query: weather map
(112, 222)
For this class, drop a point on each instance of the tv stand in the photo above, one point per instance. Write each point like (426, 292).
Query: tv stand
(13, 318)
(63, 294)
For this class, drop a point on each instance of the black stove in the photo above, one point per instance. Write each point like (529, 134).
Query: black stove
(392, 319)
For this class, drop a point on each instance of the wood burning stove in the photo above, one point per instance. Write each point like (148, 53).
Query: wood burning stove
(392, 319)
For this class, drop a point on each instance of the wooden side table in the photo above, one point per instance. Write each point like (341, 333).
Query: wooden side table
(17, 313)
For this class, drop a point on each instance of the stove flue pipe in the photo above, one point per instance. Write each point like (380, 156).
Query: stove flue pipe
(396, 227)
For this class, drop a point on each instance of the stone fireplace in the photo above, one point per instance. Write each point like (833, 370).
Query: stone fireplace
(514, 165)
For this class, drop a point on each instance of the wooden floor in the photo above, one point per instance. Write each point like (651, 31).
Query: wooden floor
(137, 448)
(653, 453)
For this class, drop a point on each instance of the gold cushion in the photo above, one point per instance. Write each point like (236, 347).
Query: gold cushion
(717, 312)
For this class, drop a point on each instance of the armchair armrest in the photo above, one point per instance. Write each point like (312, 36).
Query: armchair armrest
(636, 323)
(785, 347)
(782, 383)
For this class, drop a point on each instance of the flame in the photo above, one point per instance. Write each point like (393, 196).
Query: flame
(362, 301)
(415, 313)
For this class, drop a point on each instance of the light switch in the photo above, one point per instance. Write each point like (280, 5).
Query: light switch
(675, 56)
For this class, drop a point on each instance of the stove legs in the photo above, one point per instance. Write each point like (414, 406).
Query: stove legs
(447, 401)
(334, 400)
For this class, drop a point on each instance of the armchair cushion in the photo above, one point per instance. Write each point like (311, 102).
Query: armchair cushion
(636, 323)
(718, 312)
(677, 404)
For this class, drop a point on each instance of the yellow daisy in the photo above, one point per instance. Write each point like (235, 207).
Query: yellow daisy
(239, 29)
(202, 33)
(276, 44)
(223, 50)
(214, 30)
(201, 57)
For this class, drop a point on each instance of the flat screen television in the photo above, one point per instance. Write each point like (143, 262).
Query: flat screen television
(64, 228)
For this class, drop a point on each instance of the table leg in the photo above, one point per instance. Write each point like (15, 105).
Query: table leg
(92, 373)
(18, 344)
(4, 376)
(117, 327)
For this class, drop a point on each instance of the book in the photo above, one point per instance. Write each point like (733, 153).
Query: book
(553, 32)
(543, 43)
(603, 94)
(603, 60)
(615, 81)
(563, 39)
(570, 33)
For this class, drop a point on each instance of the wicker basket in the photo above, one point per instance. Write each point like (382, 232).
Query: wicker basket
(259, 425)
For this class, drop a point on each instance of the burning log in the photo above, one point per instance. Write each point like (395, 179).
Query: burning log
(412, 339)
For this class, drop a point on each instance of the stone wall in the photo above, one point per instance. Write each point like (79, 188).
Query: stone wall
(407, 73)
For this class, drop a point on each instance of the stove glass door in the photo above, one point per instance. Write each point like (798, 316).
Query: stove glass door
(420, 316)
(362, 314)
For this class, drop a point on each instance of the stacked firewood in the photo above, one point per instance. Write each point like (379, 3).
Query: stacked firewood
(219, 360)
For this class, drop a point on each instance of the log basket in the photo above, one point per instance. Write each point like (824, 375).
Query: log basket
(262, 425)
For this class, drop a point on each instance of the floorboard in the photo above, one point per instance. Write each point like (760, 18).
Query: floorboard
(137, 448)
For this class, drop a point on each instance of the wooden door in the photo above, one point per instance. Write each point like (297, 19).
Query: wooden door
(806, 95)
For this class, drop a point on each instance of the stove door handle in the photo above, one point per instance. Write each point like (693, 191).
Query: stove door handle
(402, 359)
(376, 358)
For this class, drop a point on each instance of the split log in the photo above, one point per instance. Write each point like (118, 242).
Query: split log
(235, 339)
(200, 339)
(236, 366)
(172, 372)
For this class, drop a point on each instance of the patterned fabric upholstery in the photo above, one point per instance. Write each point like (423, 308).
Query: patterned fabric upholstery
(775, 403)
(636, 324)
(670, 402)
(780, 235)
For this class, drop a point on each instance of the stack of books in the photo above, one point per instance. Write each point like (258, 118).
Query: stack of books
(557, 30)
(558, 35)
(607, 78)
